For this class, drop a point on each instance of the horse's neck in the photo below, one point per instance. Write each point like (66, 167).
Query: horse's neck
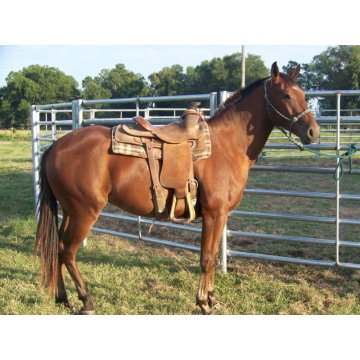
(247, 126)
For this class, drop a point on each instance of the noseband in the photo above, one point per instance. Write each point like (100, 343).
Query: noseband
(291, 120)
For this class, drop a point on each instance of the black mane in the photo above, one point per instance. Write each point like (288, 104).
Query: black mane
(239, 95)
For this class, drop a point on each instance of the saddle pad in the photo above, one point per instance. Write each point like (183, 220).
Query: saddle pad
(203, 148)
(123, 144)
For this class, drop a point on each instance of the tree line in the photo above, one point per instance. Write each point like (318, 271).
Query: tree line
(336, 68)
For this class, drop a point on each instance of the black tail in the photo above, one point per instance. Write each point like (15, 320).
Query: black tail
(47, 238)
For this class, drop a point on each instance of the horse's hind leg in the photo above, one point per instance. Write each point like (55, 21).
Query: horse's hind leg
(61, 296)
(76, 231)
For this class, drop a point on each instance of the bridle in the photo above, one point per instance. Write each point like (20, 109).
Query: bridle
(291, 120)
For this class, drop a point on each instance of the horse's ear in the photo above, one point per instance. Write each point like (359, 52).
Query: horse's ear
(295, 73)
(275, 74)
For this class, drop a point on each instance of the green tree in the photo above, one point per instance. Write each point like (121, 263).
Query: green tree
(92, 89)
(35, 84)
(336, 68)
(117, 82)
(224, 73)
(168, 81)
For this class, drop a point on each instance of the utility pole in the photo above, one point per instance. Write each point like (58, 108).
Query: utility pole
(243, 66)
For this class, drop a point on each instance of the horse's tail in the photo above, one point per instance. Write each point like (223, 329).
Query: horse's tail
(47, 237)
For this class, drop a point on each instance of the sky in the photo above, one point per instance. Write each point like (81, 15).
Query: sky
(80, 61)
(146, 36)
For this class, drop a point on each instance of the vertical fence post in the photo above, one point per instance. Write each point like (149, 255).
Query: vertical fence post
(223, 96)
(139, 228)
(77, 123)
(53, 125)
(147, 113)
(317, 157)
(46, 123)
(338, 112)
(92, 114)
(223, 247)
(213, 103)
(77, 114)
(74, 114)
(35, 132)
(223, 251)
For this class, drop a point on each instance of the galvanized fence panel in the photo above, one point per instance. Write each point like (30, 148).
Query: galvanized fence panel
(84, 112)
(288, 150)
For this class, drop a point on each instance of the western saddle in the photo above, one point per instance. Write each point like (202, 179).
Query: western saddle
(170, 151)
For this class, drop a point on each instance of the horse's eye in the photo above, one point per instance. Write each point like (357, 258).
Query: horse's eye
(286, 96)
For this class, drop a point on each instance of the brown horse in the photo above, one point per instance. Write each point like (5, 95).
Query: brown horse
(82, 174)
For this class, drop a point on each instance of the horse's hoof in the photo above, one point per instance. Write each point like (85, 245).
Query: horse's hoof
(86, 312)
(214, 302)
(205, 309)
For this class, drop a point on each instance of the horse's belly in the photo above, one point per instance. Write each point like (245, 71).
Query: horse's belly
(132, 186)
(130, 202)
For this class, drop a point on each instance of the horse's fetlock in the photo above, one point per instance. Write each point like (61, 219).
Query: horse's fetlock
(207, 262)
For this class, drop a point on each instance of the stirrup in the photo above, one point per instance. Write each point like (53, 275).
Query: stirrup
(190, 206)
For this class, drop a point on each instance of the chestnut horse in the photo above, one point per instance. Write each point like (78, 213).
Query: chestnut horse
(81, 173)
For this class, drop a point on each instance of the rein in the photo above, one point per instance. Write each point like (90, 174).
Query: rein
(346, 155)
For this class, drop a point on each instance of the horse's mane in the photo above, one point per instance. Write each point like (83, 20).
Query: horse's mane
(243, 93)
(237, 96)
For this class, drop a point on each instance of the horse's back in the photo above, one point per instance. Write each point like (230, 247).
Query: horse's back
(89, 137)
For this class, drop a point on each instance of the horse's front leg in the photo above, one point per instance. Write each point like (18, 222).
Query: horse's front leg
(213, 225)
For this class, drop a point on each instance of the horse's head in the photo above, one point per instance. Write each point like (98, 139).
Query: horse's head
(287, 107)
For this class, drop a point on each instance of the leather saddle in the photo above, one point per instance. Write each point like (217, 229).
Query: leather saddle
(174, 133)
(170, 151)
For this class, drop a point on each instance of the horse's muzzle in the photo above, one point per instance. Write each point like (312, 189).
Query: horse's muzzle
(312, 135)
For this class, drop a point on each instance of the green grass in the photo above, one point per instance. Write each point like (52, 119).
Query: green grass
(133, 277)
(15, 135)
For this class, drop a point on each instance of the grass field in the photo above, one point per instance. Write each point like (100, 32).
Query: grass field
(133, 277)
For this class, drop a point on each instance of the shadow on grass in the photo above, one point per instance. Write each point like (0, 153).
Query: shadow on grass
(340, 281)
(134, 260)
(11, 274)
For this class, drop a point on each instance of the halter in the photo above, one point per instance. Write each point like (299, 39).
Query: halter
(292, 120)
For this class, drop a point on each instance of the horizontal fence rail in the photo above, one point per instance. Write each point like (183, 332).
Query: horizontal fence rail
(338, 130)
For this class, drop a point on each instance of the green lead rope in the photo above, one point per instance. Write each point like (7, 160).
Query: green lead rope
(346, 155)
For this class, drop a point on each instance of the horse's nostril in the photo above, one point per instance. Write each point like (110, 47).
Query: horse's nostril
(310, 133)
